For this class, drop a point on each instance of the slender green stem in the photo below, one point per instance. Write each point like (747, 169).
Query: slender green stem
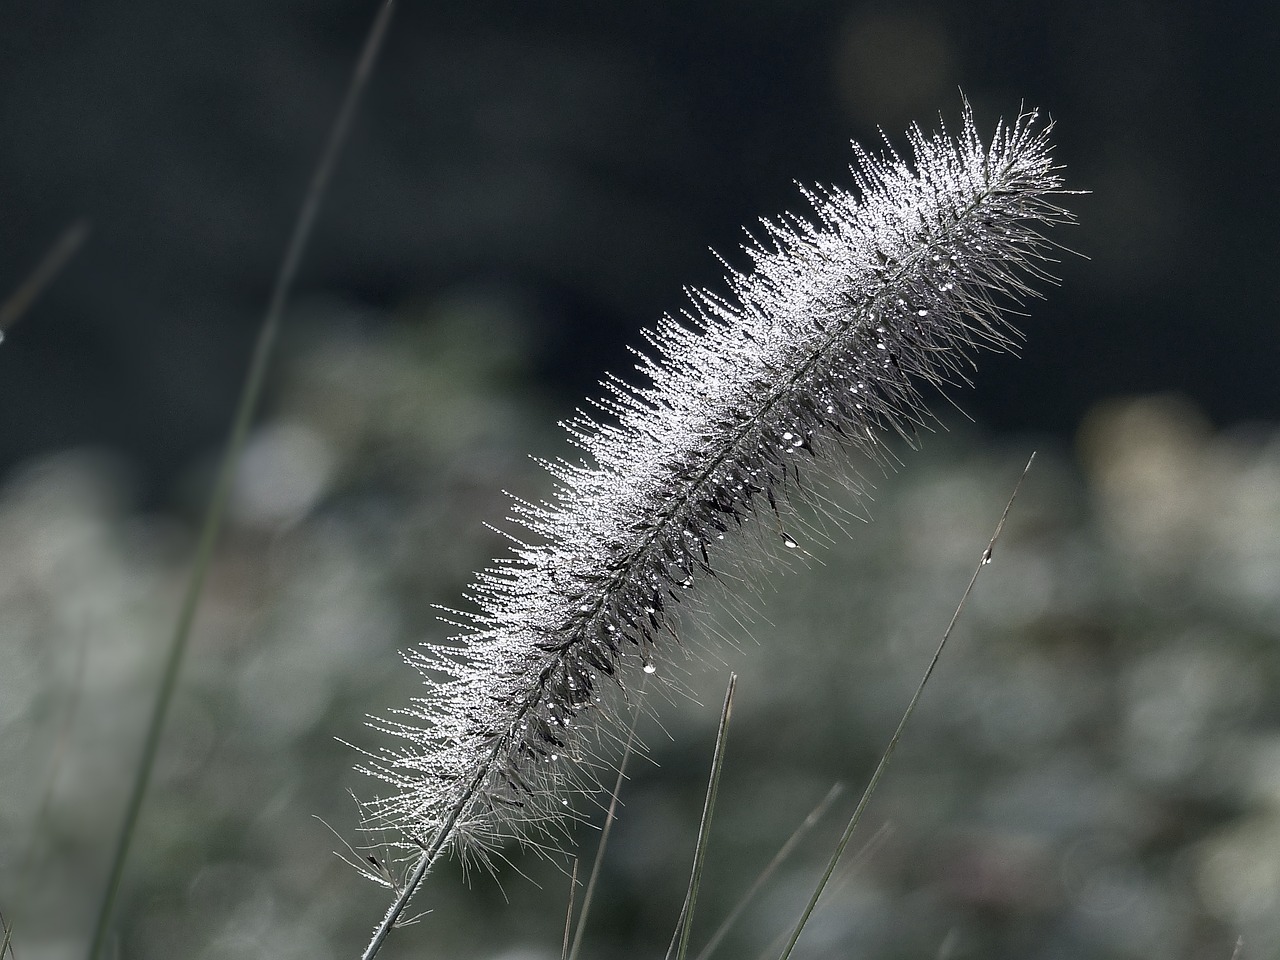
(869, 849)
(568, 913)
(63, 249)
(408, 888)
(685, 925)
(606, 831)
(902, 725)
(431, 852)
(246, 408)
(757, 885)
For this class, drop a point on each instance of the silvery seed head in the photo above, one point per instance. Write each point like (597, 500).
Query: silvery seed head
(812, 355)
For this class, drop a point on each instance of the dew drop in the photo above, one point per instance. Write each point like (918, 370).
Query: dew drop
(789, 542)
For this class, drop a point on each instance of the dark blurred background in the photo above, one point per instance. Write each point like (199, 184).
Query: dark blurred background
(580, 159)
(1096, 772)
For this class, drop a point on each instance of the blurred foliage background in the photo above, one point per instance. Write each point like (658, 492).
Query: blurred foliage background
(1096, 772)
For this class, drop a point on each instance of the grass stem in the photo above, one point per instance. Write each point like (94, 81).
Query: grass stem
(784, 851)
(609, 818)
(246, 409)
(685, 925)
(57, 257)
(902, 724)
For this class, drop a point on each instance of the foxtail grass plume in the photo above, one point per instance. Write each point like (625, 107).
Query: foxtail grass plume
(815, 353)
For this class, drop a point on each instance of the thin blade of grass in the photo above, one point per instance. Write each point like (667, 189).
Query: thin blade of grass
(902, 724)
(57, 257)
(247, 406)
(816, 814)
(610, 816)
(948, 945)
(57, 754)
(868, 850)
(568, 914)
(6, 945)
(684, 925)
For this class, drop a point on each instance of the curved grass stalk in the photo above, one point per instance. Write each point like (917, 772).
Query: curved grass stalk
(685, 926)
(816, 814)
(609, 818)
(246, 407)
(883, 765)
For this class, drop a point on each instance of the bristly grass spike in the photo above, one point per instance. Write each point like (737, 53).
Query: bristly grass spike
(817, 351)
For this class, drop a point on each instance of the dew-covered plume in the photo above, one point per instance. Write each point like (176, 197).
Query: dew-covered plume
(813, 354)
